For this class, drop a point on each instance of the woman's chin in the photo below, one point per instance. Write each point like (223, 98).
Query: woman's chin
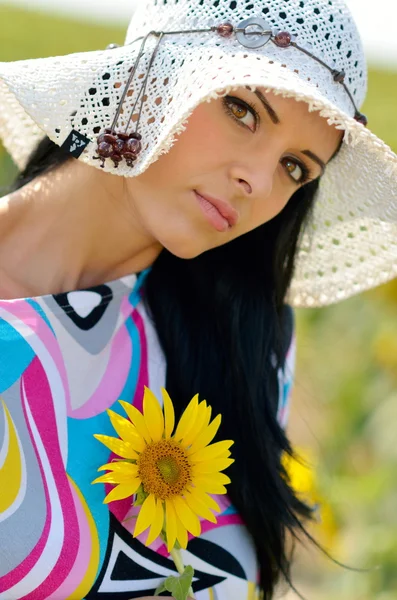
(187, 247)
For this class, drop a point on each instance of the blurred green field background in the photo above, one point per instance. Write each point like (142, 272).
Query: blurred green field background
(344, 415)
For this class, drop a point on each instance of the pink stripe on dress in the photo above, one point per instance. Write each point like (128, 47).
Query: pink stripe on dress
(82, 560)
(13, 577)
(40, 401)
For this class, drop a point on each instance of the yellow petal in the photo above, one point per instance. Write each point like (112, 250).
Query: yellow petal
(120, 465)
(187, 419)
(199, 508)
(158, 522)
(207, 417)
(123, 449)
(206, 436)
(153, 415)
(217, 450)
(116, 477)
(181, 534)
(196, 426)
(124, 490)
(170, 524)
(187, 517)
(215, 477)
(203, 497)
(211, 466)
(136, 417)
(127, 431)
(146, 515)
(169, 413)
(208, 485)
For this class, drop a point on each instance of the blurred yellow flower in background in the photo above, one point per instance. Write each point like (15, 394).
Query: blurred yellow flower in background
(302, 476)
(174, 473)
(385, 349)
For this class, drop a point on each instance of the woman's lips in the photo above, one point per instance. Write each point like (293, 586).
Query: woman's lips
(218, 212)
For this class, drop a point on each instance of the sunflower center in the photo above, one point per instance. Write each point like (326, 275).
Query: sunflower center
(164, 469)
(169, 469)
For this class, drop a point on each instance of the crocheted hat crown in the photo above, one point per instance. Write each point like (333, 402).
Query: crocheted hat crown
(324, 27)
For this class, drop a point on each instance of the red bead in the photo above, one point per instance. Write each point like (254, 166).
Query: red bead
(105, 150)
(361, 118)
(225, 30)
(133, 146)
(283, 39)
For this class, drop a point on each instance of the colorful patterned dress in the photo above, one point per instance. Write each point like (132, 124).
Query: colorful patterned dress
(64, 360)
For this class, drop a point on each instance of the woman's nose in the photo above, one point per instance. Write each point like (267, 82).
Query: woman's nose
(254, 180)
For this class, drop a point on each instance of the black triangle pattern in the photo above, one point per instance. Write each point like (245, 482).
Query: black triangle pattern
(216, 556)
(88, 322)
(125, 569)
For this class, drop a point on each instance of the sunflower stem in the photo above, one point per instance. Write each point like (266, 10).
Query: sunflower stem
(177, 558)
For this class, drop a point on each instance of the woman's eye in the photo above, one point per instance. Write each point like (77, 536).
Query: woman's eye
(241, 112)
(295, 170)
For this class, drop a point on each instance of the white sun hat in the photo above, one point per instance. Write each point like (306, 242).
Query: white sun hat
(309, 50)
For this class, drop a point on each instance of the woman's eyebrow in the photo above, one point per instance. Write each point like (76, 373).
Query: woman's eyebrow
(276, 120)
(316, 159)
(272, 113)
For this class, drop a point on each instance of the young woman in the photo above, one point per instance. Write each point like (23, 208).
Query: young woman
(176, 195)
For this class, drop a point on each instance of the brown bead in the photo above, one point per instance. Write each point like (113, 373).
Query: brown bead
(101, 138)
(339, 76)
(361, 118)
(123, 136)
(133, 146)
(129, 158)
(283, 39)
(225, 30)
(119, 146)
(116, 158)
(135, 136)
(105, 150)
(109, 138)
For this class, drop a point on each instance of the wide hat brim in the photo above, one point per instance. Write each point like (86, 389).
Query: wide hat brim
(350, 244)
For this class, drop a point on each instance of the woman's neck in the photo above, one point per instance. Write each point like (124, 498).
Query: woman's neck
(72, 228)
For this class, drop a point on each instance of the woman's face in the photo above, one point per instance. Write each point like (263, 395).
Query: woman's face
(236, 165)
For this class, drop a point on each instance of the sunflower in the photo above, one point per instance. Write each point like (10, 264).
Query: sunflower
(174, 473)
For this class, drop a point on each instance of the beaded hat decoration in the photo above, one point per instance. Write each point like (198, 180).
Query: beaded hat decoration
(121, 108)
(251, 33)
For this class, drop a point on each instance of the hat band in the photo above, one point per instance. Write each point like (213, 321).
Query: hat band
(251, 33)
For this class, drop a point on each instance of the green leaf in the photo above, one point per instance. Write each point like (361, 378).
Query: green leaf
(178, 586)
(161, 588)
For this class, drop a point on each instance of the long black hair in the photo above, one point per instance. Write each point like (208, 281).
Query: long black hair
(224, 327)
